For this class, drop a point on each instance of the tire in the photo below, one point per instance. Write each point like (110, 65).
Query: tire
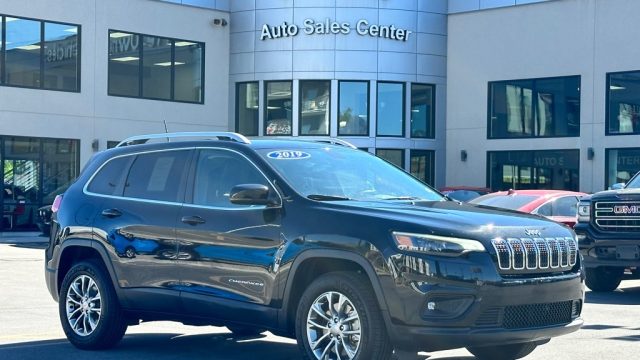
(359, 319)
(604, 278)
(502, 352)
(244, 331)
(91, 329)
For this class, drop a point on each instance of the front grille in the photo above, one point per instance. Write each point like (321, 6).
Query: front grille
(535, 254)
(537, 315)
(530, 315)
(617, 216)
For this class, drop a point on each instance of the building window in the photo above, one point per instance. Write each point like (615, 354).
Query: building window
(422, 111)
(40, 54)
(247, 95)
(394, 156)
(621, 165)
(277, 119)
(623, 103)
(153, 67)
(315, 96)
(534, 108)
(546, 169)
(390, 109)
(353, 108)
(423, 165)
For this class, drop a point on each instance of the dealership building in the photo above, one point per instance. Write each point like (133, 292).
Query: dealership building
(489, 93)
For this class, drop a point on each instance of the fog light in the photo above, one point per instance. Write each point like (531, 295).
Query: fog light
(447, 307)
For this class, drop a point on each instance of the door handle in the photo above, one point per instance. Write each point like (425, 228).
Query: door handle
(111, 213)
(193, 220)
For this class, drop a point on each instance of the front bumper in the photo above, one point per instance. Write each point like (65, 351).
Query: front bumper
(606, 249)
(498, 309)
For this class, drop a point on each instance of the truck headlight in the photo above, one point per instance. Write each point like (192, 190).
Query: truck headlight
(436, 245)
(584, 212)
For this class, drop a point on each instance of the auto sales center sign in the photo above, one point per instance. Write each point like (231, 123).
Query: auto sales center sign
(311, 27)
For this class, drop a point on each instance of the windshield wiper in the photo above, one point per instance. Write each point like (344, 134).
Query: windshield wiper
(401, 198)
(321, 197)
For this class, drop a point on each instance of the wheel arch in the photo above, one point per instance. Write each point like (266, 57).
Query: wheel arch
(312, 263)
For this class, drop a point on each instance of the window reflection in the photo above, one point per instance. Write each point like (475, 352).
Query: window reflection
(394, 156)
(188, 68)
(278, 109)
(156, 67)
(353, 117)
(622, 164)
(61, 65)
(390, 109)
(535, 108)
(623, 107)
(546, 169)
(314, 107)
(422, 111)
(124, 64)
(22, 56)
(423, 165)
(247, 108)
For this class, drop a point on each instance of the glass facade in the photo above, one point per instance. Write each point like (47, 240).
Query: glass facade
(35, 171)
(315, 96)
(353, 108)
(278, 110)
(390, 109)
(423, 165)
(422, 111)
(623, 103)
(394, 156)
(40, 54)
(156, 68)
(621, 165)
(548, 107)
(544, 169)
(247, 105)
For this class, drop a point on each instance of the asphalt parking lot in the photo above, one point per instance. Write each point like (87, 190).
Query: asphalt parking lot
(30, 329)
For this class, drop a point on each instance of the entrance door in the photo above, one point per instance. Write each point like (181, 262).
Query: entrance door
(21, 175)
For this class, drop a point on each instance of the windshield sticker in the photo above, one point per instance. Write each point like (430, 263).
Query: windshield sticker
(288, 155)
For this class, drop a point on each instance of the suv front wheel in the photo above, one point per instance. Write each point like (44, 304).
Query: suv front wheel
(338, 317)
(604, 278)
(89, 309)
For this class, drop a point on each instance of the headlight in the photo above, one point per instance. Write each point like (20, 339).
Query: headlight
(436, 245)
(584, 212)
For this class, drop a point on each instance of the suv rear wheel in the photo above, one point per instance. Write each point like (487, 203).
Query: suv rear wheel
(502, 352)
(339, 318)
(89, 310)
(604, 278)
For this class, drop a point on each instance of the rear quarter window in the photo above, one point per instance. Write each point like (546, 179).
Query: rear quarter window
(109, 178)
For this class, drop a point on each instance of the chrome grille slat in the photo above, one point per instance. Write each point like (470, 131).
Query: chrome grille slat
(627, 220)
(518, 254)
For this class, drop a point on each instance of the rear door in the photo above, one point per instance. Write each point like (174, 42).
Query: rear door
(228, 253)
(142, 196)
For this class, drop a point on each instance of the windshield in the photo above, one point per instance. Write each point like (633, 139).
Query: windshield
(335, 173)
(634, 183)
(513, 202)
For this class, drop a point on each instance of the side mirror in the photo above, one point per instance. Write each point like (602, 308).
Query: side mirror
(252, 194)
(617, 186)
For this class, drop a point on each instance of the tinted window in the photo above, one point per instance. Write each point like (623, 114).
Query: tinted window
(622, 164)
(108, 180)
(189, 58)
(156, 68)
(534, 108)
(217, 172)
(545, 169)
(157, 176)
(353, 117)
(247, 95)
(61, 64)
(422, 111)
(124, 64)
(623, 107)
(390, 109)
(314, 107)
(423, 165)
(394, 156)
(277, 120)
(566, 206)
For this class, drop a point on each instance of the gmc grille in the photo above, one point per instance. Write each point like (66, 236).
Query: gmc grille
(516, 255)
(617, 216)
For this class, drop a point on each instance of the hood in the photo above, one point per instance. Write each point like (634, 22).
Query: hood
(622, 194)
(450, 218)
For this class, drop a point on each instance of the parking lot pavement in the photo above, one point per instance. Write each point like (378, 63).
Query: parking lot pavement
(30, 328)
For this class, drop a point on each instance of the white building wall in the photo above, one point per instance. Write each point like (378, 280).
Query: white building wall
(92, 114)
(554, 38)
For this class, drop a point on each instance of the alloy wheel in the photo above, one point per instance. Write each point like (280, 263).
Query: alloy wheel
(84, 305)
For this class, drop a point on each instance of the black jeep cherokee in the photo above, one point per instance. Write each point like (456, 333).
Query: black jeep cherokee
(608, 231)
(311, 240)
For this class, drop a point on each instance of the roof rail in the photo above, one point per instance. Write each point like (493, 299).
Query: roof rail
(141, 139)
(327, 140)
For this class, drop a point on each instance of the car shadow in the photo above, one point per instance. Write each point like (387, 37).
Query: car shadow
(216, 346)
(30, 245)
(625, 296)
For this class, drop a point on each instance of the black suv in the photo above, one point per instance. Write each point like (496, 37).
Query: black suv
(608, 231)
(309, 239)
